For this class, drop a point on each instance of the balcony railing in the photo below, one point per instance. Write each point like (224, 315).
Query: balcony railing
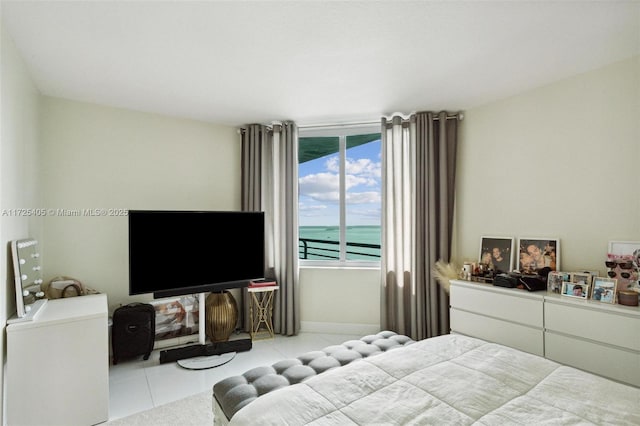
(325, 250)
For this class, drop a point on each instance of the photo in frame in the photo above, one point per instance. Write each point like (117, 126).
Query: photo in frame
(555, 280)
(497, 252)
(578, 290)
(583, 278)
(538, 253)
(604, 289)
(591, 272)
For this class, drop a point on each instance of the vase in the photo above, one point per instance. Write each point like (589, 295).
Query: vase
(221, 316)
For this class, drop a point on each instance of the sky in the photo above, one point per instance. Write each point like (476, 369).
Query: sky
(319, 188)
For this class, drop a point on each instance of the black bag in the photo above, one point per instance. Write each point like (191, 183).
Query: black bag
(133, 331)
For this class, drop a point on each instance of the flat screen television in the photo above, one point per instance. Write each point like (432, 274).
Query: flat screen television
(186, 252)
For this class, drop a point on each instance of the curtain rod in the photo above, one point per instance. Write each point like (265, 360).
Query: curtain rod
(337, 125)
(450, 116)
(458, 115)
(242, 129)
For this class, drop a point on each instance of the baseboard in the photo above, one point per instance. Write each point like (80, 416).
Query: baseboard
(339, 328)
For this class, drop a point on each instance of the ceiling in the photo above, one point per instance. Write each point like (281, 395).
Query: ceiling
(315, 62)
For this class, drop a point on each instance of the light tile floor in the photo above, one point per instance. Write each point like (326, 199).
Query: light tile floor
(137, 385)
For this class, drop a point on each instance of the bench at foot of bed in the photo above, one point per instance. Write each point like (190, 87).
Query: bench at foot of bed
(233, 393)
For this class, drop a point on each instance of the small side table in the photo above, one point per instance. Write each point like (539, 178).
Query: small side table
(261, 311)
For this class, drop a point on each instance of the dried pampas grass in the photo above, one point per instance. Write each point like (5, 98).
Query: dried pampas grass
(443, 272)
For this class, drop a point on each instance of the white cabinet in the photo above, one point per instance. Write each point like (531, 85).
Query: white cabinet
(590, 335)
(507, 316)
(58, 364)
(603, 339)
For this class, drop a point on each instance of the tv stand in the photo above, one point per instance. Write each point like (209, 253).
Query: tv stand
(204, 348)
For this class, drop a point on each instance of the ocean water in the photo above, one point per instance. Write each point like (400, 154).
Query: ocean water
(328, 237)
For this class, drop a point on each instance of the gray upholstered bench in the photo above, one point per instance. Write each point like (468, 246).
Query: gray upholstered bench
(233, 393)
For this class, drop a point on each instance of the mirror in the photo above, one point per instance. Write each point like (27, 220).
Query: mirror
(27, 271)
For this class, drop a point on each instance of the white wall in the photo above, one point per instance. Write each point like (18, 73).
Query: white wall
(18, 172)
(340, 300)
(100, 157)
(559, 161)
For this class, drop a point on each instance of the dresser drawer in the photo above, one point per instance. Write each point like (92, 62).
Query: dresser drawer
(608, 361)
(512, 305)
(506, 333)
(593, 324)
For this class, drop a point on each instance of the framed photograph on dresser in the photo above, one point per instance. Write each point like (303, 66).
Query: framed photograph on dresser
(497, 252)
(578, 290)
(604, 290)
(584, 278)
(537, 253)
(555, 280)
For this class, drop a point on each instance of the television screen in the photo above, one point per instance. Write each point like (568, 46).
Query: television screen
(185, 252)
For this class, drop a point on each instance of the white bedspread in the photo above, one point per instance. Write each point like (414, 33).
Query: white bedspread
(449, 379)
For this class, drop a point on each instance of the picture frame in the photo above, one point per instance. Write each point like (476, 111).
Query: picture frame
(498, 252)
(584, 278)
(555, 280)
(592, 272)
(623, 247)
(537, 253)
(604, 290)
(576, 290)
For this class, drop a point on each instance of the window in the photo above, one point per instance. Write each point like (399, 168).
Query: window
(339, 198)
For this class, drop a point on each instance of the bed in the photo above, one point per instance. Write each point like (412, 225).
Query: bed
(450, 379)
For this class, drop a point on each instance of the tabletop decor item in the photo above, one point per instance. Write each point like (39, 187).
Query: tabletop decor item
(538, 253)
(604, 290)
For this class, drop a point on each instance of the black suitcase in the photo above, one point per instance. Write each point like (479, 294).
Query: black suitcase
(133, 331)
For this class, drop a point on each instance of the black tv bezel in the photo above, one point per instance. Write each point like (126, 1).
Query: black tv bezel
(187, 290)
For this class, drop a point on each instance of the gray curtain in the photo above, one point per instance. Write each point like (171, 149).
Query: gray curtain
(418, 192)
(270, 184)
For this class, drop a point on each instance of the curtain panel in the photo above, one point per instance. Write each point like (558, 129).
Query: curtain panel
(270, 184)
(418, 193)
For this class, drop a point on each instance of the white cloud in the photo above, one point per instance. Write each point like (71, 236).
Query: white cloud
(333, 164)
(325, 186)
(363, 197)
(363, 167)
(320, 186)
(311, 211)
(311, 208)
(353, 180)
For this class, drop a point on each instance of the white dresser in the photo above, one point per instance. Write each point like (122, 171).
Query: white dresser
(510, 317)
(593, 336)
(58, 364)
(590, 335)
